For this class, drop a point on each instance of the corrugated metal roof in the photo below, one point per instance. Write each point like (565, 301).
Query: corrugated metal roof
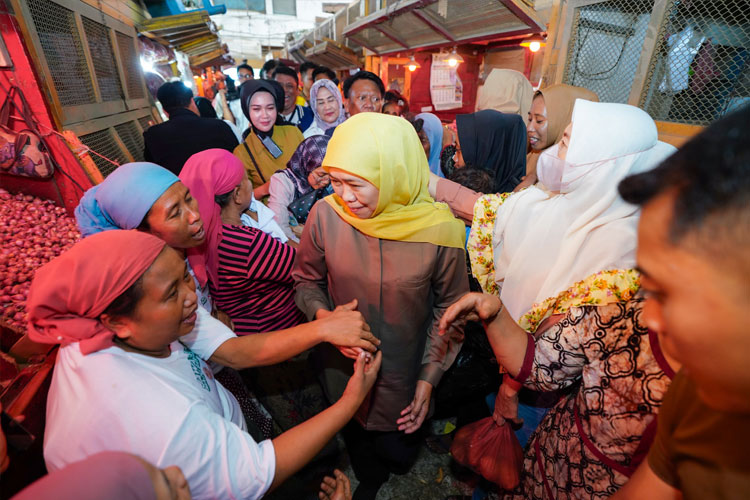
(411, 24)
(192, 33)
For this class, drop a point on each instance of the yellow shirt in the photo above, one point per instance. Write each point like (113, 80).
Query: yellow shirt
(287, 137)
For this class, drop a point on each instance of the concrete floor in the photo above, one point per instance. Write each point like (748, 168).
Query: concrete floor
(430, 478)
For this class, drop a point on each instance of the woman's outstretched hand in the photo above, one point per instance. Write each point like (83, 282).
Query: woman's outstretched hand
(471, 307)
(413, 415)
(335, 488)
(365, 373)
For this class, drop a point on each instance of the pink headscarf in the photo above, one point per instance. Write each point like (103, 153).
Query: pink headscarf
(69, 293)
(112, 475)
(207, 174)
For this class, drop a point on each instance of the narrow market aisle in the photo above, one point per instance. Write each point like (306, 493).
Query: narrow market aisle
(429, 479)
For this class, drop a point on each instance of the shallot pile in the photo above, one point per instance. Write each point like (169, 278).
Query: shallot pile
(32, 232)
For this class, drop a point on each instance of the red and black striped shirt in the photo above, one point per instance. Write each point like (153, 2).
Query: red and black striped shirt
(255, 281)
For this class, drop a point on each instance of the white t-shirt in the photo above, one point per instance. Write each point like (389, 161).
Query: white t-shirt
(266, 221)
(169, 411)
(281, 194)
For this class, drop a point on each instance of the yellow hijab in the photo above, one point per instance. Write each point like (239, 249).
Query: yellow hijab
(386, 151)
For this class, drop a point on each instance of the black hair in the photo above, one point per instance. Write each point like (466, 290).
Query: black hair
(307, 65)
(417, 123)
(247, 67)
(286, 70)
(325, 70)
(363, 75)
(223, 199)
(710, 176)
(174, 95)
(269, 65)
(447, 165)
(125, 303)
(205, 108)
(474, 178)
(395, 97)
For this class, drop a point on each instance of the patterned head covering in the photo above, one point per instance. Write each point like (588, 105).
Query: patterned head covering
(307, 157)
(327, 84)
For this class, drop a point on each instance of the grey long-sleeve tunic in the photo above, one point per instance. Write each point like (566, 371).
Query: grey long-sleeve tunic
(402, 289)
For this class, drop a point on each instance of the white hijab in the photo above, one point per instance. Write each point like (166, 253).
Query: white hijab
(545, 242)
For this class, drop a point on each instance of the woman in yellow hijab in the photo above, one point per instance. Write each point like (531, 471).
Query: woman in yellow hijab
(383, 245)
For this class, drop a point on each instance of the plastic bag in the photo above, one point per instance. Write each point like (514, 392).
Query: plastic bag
(490, 447)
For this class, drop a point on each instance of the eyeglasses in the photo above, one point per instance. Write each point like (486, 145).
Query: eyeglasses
(373, 99)
(246, 76)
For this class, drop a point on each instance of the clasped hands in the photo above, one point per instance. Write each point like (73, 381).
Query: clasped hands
(346, 328)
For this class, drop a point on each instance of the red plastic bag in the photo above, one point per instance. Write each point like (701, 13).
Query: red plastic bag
(491, 449)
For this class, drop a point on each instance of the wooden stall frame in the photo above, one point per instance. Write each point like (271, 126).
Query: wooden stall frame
(64, 115)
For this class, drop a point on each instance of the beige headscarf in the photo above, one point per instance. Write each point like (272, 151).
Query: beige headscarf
(559, 100)
(507, 91)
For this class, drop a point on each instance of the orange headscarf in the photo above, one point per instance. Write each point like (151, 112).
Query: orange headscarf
(69, 293)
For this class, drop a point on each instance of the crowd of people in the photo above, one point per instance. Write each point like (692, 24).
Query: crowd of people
(256, 287)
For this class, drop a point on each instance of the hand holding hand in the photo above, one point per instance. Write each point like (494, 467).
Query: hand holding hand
(345, 328)
(413, 415)
(360, 383)
(472, 307)
(335, 488)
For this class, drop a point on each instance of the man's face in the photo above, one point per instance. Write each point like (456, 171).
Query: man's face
(243, 75)
(291, 91)
(697, 301)
(364, 95)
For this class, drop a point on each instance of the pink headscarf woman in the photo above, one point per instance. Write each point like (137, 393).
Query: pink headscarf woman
(206, 174)
(69, 293)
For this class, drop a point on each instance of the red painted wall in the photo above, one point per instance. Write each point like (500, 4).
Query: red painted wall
(60, 188)
(468, 72)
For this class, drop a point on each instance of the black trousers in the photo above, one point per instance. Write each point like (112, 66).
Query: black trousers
(375, 454)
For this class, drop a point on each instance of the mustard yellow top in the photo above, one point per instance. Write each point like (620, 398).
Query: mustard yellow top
(386, 151)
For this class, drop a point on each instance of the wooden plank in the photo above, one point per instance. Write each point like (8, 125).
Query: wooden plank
(73, 114)
(676, 134)
(87, 56)
(652, 32)
(125, 11)
(88, 126)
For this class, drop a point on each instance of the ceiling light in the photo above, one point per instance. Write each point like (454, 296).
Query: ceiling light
(454, 58)
(413, 64)
(534, 43)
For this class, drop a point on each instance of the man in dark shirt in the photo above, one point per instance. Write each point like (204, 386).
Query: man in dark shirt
(694, 257)
(171, 143)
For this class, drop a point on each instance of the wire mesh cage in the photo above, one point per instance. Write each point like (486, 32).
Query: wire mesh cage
(605, 46)
(103, 60)
(64, 52)
(104, 143)
(131, 65)
(700, 69)
(132, 138)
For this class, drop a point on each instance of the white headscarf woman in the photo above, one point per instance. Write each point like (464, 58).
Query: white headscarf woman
(574, 225)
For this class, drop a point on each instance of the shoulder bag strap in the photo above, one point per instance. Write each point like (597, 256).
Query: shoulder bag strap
(257, 168)
(6, 106)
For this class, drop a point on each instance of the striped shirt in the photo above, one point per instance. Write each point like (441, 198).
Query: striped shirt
(255, 287)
